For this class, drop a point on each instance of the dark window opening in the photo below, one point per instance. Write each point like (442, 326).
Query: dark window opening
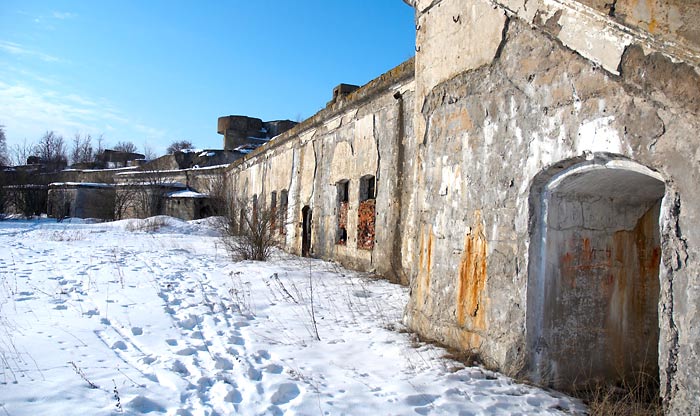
(283, 210)
(254, 217)
(343, 189)
(306, 232)
(273, 210)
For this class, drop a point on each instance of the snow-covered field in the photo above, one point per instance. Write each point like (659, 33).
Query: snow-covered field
(100, 319)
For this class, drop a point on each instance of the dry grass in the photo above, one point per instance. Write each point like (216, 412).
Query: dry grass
(148, 225)
(638, 396)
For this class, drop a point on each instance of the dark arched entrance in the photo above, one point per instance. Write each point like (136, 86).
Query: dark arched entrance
(593, 277)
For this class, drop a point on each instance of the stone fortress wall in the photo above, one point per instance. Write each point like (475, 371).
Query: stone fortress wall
(533, 179)
(531, 174)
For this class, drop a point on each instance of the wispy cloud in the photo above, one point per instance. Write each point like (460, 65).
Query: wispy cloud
(63, 15)
(28, 112)
(20, 50)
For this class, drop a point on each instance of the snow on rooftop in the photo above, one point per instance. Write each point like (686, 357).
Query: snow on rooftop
(83, 184)
(187, 194)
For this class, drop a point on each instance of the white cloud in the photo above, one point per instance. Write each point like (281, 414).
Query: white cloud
(63, 15)
(19, 50)
(27, 112)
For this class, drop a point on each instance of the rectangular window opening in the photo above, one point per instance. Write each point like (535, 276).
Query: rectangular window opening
(366, 213)
(284, 201)
(343, 201)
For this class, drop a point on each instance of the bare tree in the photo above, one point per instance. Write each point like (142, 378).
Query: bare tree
(20, 152)
(4, 156)
(99, 149)
(179, 145)
(51, 149)
(127, 147)
(141, 194)
(148, 152)
(220, 199)
(124, 198)
(82, 151)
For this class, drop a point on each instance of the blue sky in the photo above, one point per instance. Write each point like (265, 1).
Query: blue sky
(153, 71)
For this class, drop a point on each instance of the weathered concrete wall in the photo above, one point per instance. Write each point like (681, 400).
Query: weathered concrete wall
(187, 208)
(81, 201)
(357, 136)
(492, 132)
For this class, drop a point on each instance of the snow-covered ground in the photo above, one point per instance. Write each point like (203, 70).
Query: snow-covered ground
(100, 319)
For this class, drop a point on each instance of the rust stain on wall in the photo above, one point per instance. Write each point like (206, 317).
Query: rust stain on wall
(581, 258)
(472, 278)
(425, 262)
(635, 285)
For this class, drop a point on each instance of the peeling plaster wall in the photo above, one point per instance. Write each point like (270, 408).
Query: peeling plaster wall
(507, 94)
(356, 136)
(552, 83)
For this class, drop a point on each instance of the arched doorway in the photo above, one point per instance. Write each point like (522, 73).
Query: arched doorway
(306, 231)
(593, 277)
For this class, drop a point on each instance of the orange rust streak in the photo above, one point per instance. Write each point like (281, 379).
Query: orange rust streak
(635, 286)
(424, 265)
(472, 278)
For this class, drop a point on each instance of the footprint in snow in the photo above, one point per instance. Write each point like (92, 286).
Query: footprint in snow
(171, 342)
(142, 404)
(137, 330)
(189, 323)
(254, 374)
(186, 351)
(223, 364)
(274, 369)
(234, 396)
(119, 345)
(236, 340)
(285, 393)
(180, 368)
(420, 399)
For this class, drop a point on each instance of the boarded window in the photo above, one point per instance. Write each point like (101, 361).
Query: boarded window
(343, 188)
(366, 213)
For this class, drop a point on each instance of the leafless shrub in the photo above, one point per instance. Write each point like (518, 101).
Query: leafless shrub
(66, 235)
(82, 375)
(118, 399)
(252, 236)
(148, 225)
(240, 294)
